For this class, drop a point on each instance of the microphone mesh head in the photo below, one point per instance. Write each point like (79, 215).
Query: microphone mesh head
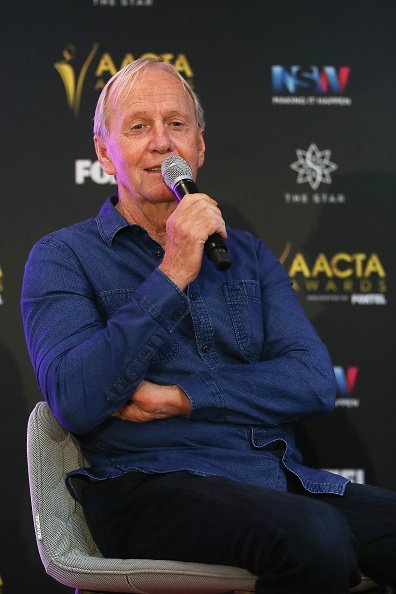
(173, 169)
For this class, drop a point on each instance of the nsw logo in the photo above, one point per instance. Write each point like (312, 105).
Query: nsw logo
(310, 85)
(346, 378)
(313, 80)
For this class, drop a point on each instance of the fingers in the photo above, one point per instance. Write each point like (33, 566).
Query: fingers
(199, 214)
(152, 402)
(196, 217)
(137, 414)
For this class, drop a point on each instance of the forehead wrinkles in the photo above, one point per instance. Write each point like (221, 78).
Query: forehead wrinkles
(141, 94)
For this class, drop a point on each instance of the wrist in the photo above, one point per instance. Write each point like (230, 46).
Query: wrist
(176, 276)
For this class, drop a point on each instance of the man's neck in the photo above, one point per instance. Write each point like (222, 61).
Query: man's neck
(152, 219)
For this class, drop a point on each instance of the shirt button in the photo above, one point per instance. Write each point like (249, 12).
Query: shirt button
(176, 315)
(158, 253)
(204, 348)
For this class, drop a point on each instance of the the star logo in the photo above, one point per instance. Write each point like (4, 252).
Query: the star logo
(313, 166)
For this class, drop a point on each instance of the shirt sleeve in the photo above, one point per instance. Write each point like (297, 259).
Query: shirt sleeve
(88, 367)
(294, 379)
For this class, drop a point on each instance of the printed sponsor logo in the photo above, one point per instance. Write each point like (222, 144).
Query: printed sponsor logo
(346, 383)
(310, 85)
(102, 66)
(356, 475)
(355, 278)
(314, 167)
(37, 524)
(87, 170)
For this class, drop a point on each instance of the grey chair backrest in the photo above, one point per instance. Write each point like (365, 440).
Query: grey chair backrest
(66, 547)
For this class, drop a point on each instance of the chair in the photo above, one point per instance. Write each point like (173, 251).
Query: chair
(65, 544)
(67, 549)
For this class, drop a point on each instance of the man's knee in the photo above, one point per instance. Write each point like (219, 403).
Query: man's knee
(316, 542)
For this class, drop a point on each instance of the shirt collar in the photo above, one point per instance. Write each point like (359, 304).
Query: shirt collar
(109, 220)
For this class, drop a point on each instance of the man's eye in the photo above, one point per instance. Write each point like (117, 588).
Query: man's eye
(137, 127)
(176, 124)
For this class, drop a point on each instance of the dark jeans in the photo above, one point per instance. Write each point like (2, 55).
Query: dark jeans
(294, 542)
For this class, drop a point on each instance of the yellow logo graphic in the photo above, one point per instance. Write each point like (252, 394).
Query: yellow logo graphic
(74, 87)
(341, 272)
(104, 69)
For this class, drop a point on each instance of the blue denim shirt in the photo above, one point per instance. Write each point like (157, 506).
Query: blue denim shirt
(100, 317)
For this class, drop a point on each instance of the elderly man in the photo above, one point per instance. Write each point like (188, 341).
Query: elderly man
(181, 381)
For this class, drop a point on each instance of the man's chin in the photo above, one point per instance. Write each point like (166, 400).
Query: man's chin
(161, 196)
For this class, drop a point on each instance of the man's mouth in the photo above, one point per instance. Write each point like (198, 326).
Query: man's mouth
(155, 169)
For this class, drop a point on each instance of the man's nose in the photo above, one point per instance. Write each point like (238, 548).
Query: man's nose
(161, 139)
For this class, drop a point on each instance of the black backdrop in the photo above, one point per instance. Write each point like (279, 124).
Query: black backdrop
(302, 155)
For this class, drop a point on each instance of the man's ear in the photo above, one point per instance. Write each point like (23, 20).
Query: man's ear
(201, 148)
(103, 156)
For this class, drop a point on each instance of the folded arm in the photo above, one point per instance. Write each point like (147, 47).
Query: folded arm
(88, 367)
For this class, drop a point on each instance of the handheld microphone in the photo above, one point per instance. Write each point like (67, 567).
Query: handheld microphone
(177, 175)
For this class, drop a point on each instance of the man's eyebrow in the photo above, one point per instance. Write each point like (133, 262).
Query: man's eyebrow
(177, 112)
(136, 114)
(143, 113)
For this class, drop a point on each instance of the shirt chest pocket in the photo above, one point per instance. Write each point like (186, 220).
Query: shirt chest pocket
(243, 299)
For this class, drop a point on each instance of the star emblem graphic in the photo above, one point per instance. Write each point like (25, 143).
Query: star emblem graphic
(313, 166)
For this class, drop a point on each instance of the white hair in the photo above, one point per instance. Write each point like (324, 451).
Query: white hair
(116, 86)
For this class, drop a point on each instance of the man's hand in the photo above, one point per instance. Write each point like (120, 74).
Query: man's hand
(188, 227)
(152, 401)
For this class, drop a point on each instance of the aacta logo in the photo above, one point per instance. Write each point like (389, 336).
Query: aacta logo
(331, 274)
(316, 80)
(104, 67)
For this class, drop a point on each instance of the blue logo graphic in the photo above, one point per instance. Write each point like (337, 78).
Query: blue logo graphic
(308, 80)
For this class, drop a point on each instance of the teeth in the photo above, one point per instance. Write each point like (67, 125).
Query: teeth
(153, 169)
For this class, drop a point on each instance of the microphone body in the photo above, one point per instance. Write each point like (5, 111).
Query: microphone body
(177, 175)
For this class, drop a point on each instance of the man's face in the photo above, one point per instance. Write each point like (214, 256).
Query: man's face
(156, 119)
